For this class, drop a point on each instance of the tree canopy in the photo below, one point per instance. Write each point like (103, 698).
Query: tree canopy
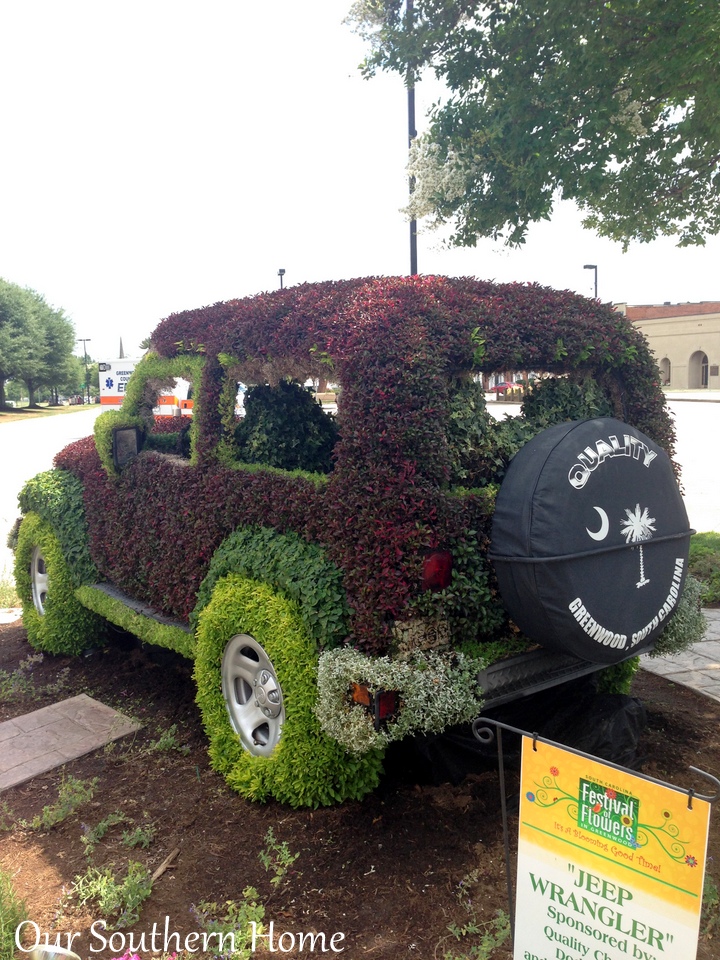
(614, 104)
(36, 341)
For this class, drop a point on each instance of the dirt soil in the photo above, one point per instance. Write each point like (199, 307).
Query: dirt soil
(390, 873)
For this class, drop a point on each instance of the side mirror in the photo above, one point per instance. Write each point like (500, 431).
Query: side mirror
(126, 444)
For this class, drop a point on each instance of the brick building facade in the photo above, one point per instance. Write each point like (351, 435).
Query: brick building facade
(685, 338)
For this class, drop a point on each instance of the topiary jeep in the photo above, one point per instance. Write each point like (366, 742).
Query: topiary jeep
(344, 582)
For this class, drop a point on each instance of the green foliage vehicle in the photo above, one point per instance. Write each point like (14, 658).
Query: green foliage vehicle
(331, 575)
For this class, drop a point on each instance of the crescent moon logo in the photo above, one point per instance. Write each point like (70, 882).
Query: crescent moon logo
(604, 526)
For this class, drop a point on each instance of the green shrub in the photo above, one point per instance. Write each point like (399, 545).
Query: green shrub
(13, 912)
(687, 626)
(57, 497)
(619, 677)
(705, 564)
(104, 426)
(298, 569)
(557, 399)
(285, 426)
(152, 375)
(147, 629)
(436, 690)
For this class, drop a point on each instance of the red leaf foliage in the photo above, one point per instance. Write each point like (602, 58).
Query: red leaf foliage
(393, 344)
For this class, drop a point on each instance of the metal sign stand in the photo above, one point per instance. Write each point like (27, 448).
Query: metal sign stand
(486, 730)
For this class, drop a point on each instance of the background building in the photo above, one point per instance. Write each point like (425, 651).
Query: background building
(685, 338)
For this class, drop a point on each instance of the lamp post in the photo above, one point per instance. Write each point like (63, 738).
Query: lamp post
(281, 274)
(412, 134)
(87, 379)
(592, 266)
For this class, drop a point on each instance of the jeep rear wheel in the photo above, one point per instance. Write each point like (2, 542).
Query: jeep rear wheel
(253, 695)
(256, 675)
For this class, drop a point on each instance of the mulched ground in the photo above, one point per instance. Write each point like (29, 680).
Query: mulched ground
(390, 873)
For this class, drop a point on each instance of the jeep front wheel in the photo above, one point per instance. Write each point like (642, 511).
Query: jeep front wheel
(55, 620)
(38, 580)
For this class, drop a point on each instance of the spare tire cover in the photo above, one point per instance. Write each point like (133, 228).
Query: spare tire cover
(590, 539)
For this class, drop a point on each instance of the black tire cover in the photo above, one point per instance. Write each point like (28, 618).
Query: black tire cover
(590, 540)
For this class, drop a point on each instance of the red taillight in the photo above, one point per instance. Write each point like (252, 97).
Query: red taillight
(437, 570)
(381, 705)
(386, 703)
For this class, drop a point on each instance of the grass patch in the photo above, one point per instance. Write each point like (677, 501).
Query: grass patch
(705, 565)
(32, 413)
(12, 912)
(72, 794)
(8, 593)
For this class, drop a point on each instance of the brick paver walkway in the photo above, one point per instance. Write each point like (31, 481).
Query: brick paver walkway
(39, 741)
(698, 667)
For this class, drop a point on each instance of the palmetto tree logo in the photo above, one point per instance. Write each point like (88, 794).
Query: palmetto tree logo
(637, 527)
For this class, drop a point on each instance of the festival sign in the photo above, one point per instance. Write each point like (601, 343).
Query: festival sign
(610, 865)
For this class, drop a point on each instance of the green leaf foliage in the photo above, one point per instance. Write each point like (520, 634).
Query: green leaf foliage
(299, 570)
(613, 105)
(152, 375)
(687, 625)
(705, 564)
(307, 768)
(66, 626)
(284, 426)
(57, 497)
(145, 628)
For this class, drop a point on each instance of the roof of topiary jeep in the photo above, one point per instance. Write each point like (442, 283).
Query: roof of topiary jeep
(392, 328)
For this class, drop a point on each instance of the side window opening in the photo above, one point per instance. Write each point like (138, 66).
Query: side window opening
(284, 426)
(168, 426)
(482, 440)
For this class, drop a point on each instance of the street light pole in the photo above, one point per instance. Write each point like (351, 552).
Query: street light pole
(87, 378)
(412, 134)
(592, 266)
(281, 274)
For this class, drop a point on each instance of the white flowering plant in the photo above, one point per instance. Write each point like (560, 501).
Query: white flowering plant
(435, 690)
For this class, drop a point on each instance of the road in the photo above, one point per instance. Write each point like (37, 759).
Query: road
(28, 446)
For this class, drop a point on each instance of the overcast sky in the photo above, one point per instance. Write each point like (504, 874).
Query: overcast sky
(158, 156)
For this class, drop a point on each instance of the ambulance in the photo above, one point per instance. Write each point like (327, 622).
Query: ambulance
(114, 376)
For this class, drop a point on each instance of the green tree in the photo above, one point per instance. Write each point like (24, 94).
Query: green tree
(614, 104)
(15, 339)
(36, 341)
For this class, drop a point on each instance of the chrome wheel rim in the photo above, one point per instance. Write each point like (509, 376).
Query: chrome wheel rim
(39, 580)
(253, 695)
